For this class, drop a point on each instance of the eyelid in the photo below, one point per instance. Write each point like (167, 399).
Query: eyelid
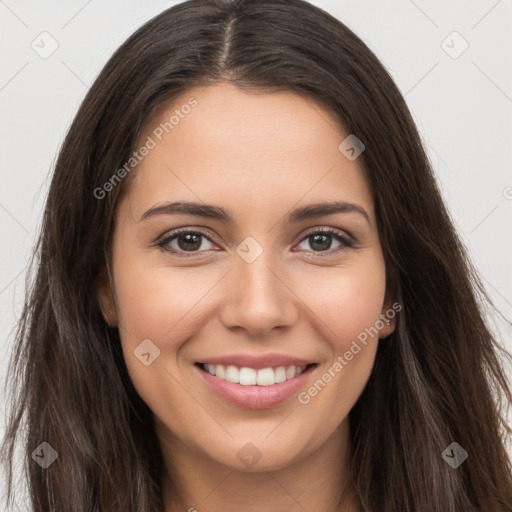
(347, 241)
(330, 231)
(178, 231)
(172, 235)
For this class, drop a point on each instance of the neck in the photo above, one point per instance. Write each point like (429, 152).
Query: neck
(194, 482)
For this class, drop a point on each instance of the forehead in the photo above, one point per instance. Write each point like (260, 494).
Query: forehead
(227, 116)
(254, 150)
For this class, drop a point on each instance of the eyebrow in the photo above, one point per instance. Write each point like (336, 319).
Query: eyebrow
(218, 213)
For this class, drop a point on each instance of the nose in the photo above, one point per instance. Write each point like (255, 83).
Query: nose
(258, 298)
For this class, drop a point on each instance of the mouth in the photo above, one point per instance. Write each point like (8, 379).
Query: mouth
(254, 388)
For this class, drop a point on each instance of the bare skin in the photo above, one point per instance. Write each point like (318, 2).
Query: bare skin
(258, 156)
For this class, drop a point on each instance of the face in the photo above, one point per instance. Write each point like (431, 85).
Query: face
(279, 300)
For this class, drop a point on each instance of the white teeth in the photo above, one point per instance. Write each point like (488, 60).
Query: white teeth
(280, 374)
(265, 377)
(220, 371)
(232, 374)
(250, 377)
(290, 373)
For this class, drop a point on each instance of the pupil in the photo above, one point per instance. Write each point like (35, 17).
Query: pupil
(190, 239)
(324, 239)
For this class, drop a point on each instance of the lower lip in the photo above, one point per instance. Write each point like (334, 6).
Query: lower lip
(255, 397)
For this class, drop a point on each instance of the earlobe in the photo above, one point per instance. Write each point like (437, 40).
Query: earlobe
(388, 328)
(387, 321)
(105, 298)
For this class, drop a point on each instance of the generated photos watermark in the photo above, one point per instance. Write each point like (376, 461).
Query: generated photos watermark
(341, 361)
(137, 156)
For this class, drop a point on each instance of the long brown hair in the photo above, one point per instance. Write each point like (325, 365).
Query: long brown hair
(436, 380)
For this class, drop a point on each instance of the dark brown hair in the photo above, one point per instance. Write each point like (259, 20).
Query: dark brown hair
(436, 380)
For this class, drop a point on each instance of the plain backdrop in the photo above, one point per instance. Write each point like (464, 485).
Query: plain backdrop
(451, 60)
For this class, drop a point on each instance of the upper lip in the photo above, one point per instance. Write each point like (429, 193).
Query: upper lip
(256, 362)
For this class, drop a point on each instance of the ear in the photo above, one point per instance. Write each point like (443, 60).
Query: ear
(105, 296)
(388, 316)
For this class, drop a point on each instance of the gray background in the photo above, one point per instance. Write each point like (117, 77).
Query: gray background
(462, 105)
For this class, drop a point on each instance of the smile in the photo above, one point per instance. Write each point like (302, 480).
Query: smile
(251, 376)
(259, 385)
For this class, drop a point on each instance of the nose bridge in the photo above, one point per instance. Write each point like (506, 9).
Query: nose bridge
(259, 281)
(258, 298)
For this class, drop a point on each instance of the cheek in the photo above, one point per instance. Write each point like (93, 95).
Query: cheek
(158, 302)
(345, 300)
(162, 305)
(166, 306)
(348, 308)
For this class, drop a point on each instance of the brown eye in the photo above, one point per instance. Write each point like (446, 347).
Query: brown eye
(186, 242)
(321, 240)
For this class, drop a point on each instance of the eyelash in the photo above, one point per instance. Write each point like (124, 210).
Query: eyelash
(169, 237)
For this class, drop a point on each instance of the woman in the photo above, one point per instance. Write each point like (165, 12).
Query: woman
(249, 293)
